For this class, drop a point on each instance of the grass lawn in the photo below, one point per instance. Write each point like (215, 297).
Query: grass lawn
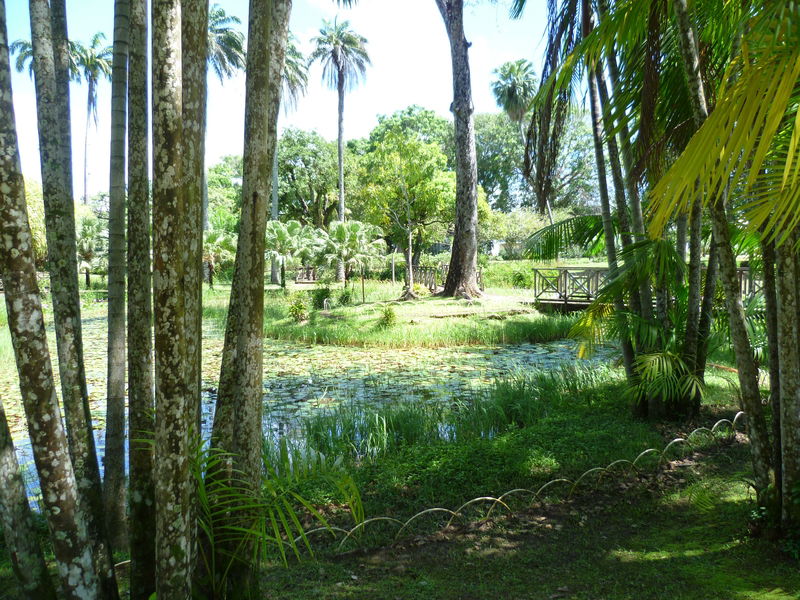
(502, 316)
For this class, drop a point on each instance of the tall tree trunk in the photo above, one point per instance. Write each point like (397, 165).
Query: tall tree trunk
(61, 55)
(114, 462)
(273, 277)
(65, 516)
(141, 423)
(773, 345)
(194, 26)
(706, 314)
(618, 179)
(461, 275)
(21, 540)
(86, 152)
(789, 352)
(605, 204)
(631, 187)
(340, 81)
(237, 419)
(745, 360)
(174, 530)
(51, 106)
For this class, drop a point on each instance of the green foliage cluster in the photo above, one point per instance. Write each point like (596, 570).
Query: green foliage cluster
(298, 307)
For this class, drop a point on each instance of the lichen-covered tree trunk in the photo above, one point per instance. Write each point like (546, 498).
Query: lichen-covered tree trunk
(114, 461)
(22, 544)
(273, 277)
(141, 424)
(51, 108)
(194, 26)
(171, 252)
(194, 39)
(461, 274)
(789, 352)
(65, 516)
(237, 419)
(745, 360)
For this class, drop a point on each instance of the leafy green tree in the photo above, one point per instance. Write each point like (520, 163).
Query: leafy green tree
(500, 160)
(343, 55)
(225, 194)
(410, 191)
(307, 177)
(423, 123)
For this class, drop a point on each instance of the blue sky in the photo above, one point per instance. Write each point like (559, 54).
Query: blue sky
(410, 65)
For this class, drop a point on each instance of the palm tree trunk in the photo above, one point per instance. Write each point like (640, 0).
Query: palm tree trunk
(65, 516)
(706, 314)
(63, 267)
(631, 187)
(114, 493)
(237, 419)
(61, 54)
(141, 423)
(273, 277)
(174, 530)
(194, 48)
(86, 149)
(618, 179)
(745, 360)
(773, 344)
(789, 352)
(605, 204)
(461, 275)
(340, 274)
(27, 560)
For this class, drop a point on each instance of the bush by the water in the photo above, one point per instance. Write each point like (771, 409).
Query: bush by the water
(298, 308)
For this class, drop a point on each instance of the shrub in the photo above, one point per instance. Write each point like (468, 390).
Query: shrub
(346, 297)
(522, 279)
(298, 308)
(319, 295)
(421, 290)
(388, 317)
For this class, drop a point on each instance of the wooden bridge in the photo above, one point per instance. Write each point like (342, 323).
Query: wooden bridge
(434, 278)
(574, 288)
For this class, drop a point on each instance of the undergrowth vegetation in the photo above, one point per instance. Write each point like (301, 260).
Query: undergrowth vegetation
(337, 316)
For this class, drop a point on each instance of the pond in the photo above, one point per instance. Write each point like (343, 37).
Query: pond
(300, 379)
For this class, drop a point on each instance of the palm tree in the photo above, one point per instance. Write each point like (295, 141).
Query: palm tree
(514, 90)
(295, 83)
(355, 245)
(343, 55)
(94, 63)
(284, 241)
(237, 415)
(141, 405)
(226, 53)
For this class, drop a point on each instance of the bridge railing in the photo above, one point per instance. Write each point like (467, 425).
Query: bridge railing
(580, 285)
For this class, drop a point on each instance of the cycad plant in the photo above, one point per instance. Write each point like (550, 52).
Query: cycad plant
(285, 241)
(355, 245)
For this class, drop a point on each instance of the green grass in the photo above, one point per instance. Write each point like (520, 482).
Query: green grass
(644, 543)
(500, 317)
